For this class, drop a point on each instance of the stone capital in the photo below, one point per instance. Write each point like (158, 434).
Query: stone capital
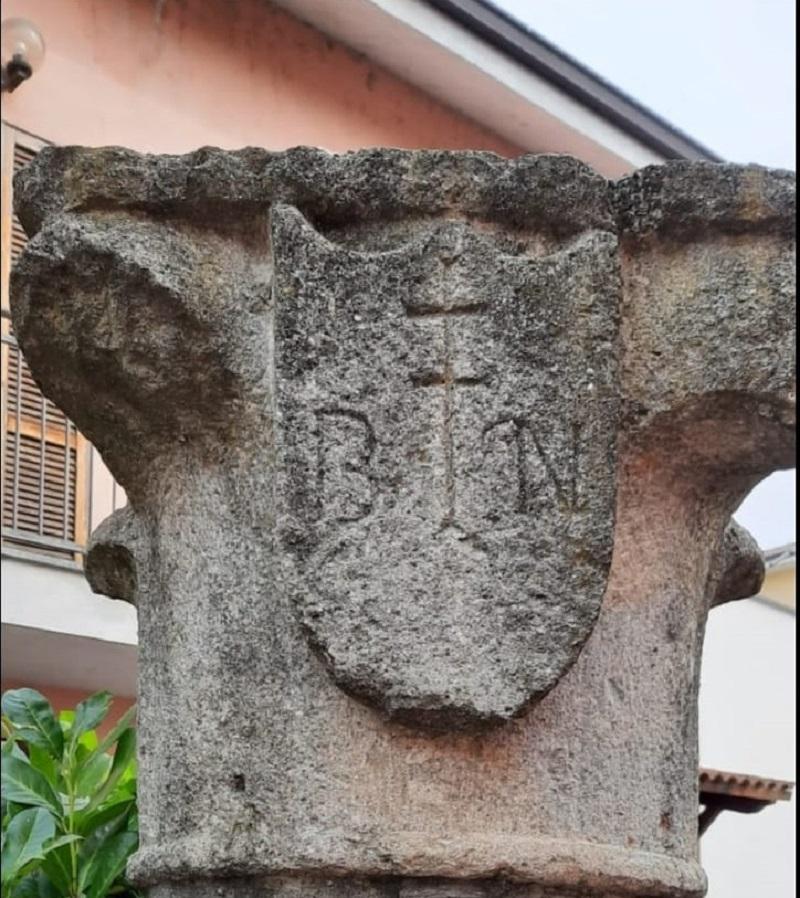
(431, 460)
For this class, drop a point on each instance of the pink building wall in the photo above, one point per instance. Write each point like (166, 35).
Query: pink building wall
(173, 75)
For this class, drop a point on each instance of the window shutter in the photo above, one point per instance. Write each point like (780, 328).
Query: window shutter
(44, 457)
(21, 157)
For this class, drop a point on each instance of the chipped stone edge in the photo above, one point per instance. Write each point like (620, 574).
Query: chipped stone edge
(742, 566)
(110, 566)
(683, 200)
(551, 191)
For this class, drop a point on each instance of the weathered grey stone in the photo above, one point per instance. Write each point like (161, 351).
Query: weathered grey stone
(381, 419)
(742, 567)
(442, 402)
(111, 561)
(381, 887)
(447, 399)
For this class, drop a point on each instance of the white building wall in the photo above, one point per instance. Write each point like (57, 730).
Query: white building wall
(57, 632)
(747, 725)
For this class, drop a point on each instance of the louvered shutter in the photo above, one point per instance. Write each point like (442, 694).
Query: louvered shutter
(44, 457)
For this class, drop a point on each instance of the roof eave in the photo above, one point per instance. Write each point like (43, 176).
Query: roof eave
(448, 59)
(780, 557)
(510, 37)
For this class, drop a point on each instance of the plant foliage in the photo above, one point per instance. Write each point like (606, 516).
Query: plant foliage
(69, 821)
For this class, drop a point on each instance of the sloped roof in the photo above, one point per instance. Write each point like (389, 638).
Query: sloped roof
(490, 68)
(780, 557)
(504, 32)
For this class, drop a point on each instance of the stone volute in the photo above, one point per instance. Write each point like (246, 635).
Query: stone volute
(430, 458)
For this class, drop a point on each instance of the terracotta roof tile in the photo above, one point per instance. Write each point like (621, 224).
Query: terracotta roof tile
(744, 785)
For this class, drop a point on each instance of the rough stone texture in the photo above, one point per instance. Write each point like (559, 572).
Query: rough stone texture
(448, 402)
(742, 565)
(111, 561)
(380, 887)
(381, 419)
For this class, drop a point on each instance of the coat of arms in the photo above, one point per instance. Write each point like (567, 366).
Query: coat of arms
(446, 397)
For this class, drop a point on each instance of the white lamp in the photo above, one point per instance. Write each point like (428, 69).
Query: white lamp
(21, 52)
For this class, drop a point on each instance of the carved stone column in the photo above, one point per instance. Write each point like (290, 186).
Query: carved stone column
(383, 420)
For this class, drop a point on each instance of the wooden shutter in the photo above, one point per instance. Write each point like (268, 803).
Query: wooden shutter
(44, 458)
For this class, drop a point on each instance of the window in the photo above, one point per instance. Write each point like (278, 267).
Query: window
(45, 461)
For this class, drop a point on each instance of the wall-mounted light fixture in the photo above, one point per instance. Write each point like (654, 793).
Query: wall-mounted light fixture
(21, 52)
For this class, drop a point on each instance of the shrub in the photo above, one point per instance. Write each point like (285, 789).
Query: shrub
(69, 819)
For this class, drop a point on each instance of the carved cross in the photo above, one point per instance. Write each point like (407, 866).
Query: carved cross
(447, 377)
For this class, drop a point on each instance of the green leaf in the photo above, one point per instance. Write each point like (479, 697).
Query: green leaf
(67, 839)
(88, 742)
(92, 774)
(88, 823)
(133, 819)
(124, 790)
(25, 839)
(106, 864)
(11, 748)
(123, 757)
(89, 714)
(117, 730)
(70, 805)
(103, 801)
(27, 887)
(36, 885)
(12, 808)
(25, 785)
(31, 714)
(41, 760)
(57, 865)
(103, 834)
(46, 888)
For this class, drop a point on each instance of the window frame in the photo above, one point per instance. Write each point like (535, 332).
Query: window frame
(43, 547)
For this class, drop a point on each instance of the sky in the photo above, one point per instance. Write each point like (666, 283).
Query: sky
(723, 72)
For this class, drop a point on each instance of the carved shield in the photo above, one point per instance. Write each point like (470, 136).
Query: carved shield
(447, 404)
